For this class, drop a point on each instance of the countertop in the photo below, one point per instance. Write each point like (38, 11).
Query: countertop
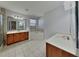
(61, 42)
(17, 31)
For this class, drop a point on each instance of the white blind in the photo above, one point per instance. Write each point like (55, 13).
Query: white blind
(32, 22)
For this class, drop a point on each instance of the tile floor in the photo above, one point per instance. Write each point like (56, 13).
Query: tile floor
(35, 47)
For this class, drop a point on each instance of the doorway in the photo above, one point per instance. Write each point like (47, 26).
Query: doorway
(36, 29)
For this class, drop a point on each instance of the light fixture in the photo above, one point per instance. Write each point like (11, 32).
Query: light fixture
(17, 17)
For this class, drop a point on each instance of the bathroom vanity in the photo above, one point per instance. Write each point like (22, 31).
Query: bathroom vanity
(17, 30)
(16, 36)
(58, 46)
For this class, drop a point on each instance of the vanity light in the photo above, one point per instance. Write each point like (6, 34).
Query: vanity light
(21, 18)
(17, 17)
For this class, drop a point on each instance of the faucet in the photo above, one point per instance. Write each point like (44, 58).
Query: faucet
(66, 37)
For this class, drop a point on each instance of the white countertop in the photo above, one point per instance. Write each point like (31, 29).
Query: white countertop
(61, 42)
(17, 31)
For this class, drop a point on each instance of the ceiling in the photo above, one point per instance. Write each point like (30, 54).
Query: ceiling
(38, 8)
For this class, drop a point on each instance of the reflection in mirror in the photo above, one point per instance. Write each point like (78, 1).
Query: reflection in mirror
(21, 25)
(11, 24)
(16, 24)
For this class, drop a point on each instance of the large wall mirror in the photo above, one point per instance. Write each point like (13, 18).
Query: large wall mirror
(15, 24)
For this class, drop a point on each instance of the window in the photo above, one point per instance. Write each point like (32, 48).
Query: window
(32, 22)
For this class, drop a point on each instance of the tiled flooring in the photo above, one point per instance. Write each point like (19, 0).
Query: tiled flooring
(35, 47)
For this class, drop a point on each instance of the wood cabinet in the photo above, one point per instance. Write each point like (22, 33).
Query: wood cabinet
(10, 39)
(52, 51)
(24, 36)
(27, 35)
(21, 36)
(16, 37)
(66, 54)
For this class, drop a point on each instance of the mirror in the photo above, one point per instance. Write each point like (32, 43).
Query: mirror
(11, 24)
(15, 24)
(21, 24)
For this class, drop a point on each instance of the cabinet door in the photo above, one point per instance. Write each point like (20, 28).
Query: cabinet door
(22, 36)
(56, 52)
(66, 54)
(26, 35)
(52, 51)
(48, 50)
(16, 37)
(10, 38)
